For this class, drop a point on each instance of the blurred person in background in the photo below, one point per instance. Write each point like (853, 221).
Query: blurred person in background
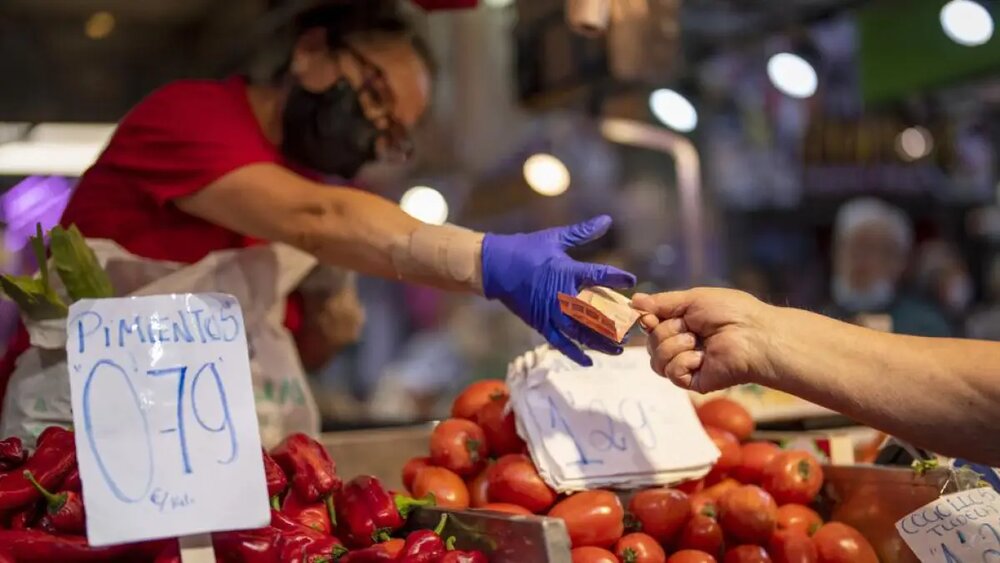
(984, 322)
(872, 244)
(206, 165)
(943, 278)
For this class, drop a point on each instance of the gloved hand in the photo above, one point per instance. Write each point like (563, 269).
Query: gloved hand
(525, 272)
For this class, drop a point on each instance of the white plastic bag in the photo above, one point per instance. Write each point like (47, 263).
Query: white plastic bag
(38, 394)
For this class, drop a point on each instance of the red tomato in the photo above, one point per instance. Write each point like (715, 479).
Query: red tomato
(640, 548)
(798, 517)
(514, 480)
(691, 487)
(793, 477)
(728, 415)
(754, 458)
(792, 546)
(593, 555)
(748, 514)
(691, 556)
(840, 543)
(661, 512)
(729, 448)
(459, 445)
(702, 533)
(449, 489)
(747, 554)
(500, 429)
(704, 505)
(411, 468)
(716, 491)
(476, 396)
(479, 488)
(506, 508)
(593, 518)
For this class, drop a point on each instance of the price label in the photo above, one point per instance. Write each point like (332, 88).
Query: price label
(961, 527)
(163, 408)
(613, 424)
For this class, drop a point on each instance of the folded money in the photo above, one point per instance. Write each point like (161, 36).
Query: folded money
(603, 310)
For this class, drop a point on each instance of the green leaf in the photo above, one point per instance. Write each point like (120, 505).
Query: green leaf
(35, 299)
(77, 265)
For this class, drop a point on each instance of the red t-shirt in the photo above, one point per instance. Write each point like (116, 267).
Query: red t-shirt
(175, 142)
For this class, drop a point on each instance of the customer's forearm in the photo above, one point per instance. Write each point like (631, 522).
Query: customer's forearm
(942, 394)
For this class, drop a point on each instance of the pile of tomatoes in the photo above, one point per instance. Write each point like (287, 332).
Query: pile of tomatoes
(753, 507)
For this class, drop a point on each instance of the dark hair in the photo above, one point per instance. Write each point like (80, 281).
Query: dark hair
(343, 19)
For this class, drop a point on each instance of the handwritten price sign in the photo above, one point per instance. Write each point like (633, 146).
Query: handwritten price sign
(163, 406)
(961, 527)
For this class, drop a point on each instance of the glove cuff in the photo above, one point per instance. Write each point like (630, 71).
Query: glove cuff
(442, 252)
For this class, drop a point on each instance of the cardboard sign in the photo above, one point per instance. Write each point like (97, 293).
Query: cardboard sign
(603, 310)
(616, 424)
(958, 528)
(166, 431)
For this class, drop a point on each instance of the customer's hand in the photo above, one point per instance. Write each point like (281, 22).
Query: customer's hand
(708, 339)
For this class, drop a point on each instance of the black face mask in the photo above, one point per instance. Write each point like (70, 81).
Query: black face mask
(328, 131)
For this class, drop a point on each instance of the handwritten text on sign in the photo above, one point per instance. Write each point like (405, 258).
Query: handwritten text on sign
(957, 528)
(163, 406)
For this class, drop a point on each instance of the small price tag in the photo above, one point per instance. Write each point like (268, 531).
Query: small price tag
(163, 408)
(962, 527)
(613, 424)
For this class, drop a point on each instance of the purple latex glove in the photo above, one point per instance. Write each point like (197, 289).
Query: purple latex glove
(526, 272)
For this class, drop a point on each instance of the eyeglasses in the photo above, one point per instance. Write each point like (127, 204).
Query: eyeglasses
(379, 102)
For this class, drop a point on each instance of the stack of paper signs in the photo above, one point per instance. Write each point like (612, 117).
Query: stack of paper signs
(616, 424)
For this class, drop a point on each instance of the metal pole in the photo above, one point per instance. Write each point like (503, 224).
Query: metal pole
(687, 162)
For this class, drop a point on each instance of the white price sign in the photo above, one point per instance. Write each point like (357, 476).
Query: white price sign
(163, 407)
(613, 424)
(961, 527)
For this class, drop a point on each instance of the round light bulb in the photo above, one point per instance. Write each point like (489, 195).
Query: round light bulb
(546, 174)
(426, 204)
(99, 25)
(792, 75)
(966, 22)
(914, 143)
(673, 110)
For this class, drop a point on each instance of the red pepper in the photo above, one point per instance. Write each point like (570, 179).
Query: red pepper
(29, 546)
(53, 460)
(373, 554)
(170, 553)
(64, 509)
(6, 557)
(367, 514)
(306, 548)
(276, 479)
(72, 481)
(313, 473)
(48, 433)
(313, 515)
(12, 453)
(464, 557)
(425, 546)
(24, 518)
(249, 546)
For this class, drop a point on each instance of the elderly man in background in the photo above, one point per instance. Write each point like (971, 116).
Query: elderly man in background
(872, 244)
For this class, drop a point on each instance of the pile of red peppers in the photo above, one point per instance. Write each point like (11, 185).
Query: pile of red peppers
(315, 518)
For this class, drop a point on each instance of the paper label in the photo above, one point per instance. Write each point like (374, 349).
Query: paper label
(961, 527)
(163, 407)
(603, 310)
(612, 424)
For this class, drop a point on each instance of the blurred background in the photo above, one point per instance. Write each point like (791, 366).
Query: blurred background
(837, 155)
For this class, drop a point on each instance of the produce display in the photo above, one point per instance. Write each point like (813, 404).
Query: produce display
(753, 506)
(315, 517)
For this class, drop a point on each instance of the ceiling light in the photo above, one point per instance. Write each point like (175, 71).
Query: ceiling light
(914, 143)
(673, 110)
(966, 22)
(792, 75)
(99, 25)
(546, 174)
(426, 204)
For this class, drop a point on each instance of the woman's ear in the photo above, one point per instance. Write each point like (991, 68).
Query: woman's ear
(310, 48)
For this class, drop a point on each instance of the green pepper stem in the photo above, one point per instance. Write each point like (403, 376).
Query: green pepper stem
(275, 503)
(440, 527)
(331, 509)
(55, 501)
(449, 543)
(405, 504)
(338, 552)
